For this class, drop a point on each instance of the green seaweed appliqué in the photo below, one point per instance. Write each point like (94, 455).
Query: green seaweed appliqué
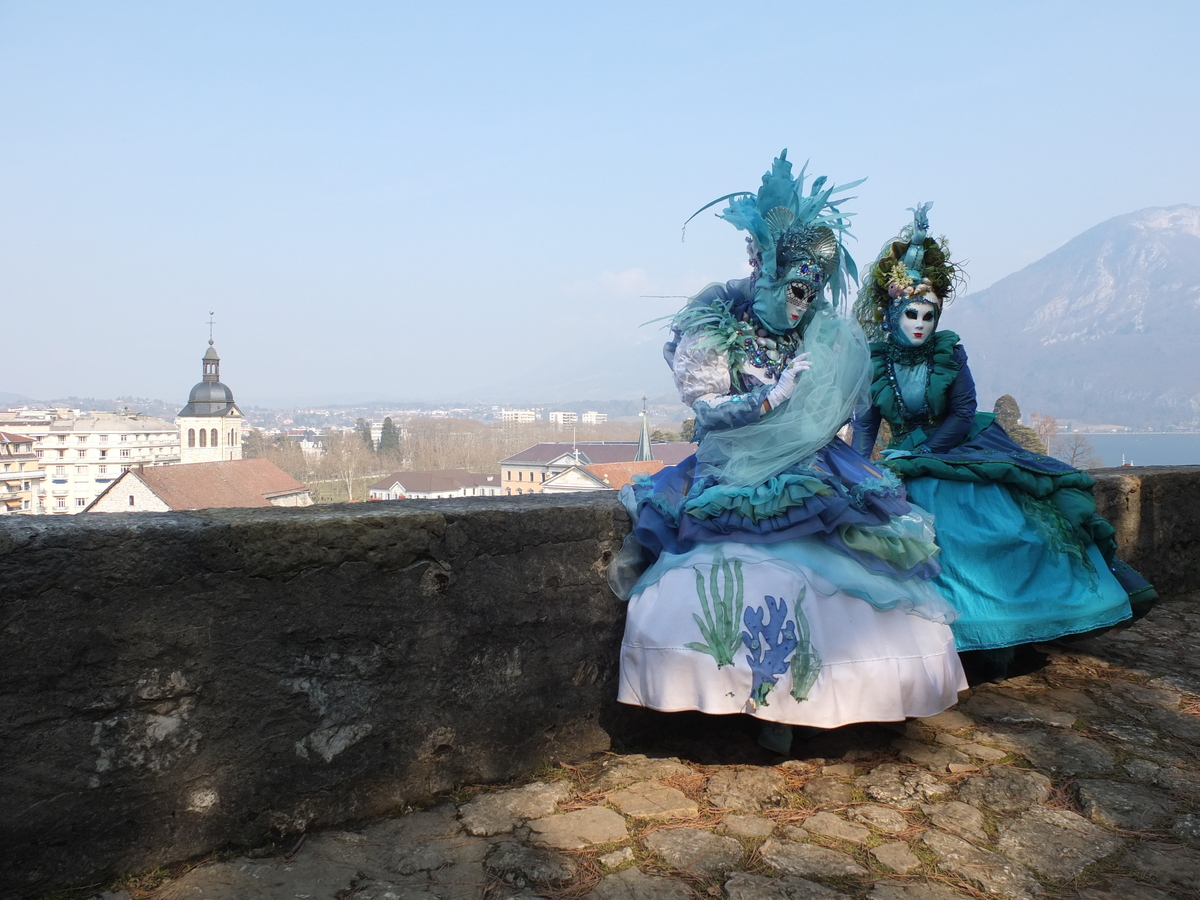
(720, 623)
(806, 663)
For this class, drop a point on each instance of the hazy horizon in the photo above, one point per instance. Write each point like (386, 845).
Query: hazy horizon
(468, 202)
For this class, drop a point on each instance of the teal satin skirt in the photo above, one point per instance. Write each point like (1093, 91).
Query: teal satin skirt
(1012, 569)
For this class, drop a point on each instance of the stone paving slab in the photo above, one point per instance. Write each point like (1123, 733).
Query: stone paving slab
(1080, 781)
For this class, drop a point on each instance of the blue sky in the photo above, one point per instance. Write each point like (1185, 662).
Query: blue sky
(467, 200)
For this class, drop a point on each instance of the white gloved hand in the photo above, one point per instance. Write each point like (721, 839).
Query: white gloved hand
(786, 385)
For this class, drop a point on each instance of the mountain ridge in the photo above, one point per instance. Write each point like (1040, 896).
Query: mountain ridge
(1102, 329)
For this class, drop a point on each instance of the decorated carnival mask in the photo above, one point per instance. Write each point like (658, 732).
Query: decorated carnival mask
(902, 297)
(795, 242)
(915, 322)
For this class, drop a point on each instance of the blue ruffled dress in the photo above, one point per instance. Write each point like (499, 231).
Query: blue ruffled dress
(1025, 558)
(803, 598)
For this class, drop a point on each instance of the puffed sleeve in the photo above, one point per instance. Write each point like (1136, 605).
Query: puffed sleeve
(703, 379)
(866, 428)
(960, 410)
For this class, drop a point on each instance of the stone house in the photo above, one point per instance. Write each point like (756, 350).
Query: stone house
(213, 485)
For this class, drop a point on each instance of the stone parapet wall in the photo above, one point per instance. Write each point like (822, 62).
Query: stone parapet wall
(1156, 511)
(173, 683)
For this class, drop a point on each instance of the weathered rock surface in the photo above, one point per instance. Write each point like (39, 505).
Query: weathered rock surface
(1057, 843)
(896, 856)
(634, 885)
(1007, 790)
(579, 828)
(881, 818)
(829, 825)
(519, 865)
(746, 789)
(914, 892)
(1011, 711)
(990, 872)
(391, 651)
(898, 786)
(623, 770)
(695, 850)
(499, 812)
(652, 800)
(747, 826)
(828, 791)
(958, 818)
(744, 886)
(1062, 753)
(1121, 805)
(809, 861)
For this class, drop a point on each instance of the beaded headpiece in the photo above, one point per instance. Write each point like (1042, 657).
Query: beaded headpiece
(796, 240)
(913, 266)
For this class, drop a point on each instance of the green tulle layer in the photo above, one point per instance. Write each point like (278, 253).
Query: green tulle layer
(764, 501)
(905, 553)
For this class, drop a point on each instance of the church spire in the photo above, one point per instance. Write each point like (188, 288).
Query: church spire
(644, 453)
(211, 362)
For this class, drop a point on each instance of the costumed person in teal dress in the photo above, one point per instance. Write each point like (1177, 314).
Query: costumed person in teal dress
(1025, 557)
(776, 572)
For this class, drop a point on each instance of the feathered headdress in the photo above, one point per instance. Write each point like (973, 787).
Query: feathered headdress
(791, 232)
(911, 266)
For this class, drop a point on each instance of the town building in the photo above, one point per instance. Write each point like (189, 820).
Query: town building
(82, 453)
(591, 417)
(436, 484)
(21, 477)
(519, 416)
(527, 471)
(210, 426)
(212, 485)
(563, 418)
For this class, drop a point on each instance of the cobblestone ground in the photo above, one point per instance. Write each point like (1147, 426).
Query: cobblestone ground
(1080, 780)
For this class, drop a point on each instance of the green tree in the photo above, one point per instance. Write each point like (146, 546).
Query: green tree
(256, 445)
(687, 431)
(1008, 414)
(389, 437)
(363, 427)
(659, 436)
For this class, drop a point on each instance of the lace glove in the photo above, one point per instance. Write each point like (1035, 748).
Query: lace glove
(786, 386)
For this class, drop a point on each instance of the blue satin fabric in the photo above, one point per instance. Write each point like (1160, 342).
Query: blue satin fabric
(849, 491)
(1009, 585)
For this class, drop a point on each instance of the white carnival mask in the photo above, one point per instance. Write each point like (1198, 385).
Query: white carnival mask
(918, 320)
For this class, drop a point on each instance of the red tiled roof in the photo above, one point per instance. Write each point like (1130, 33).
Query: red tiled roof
(431, 480)
(9, 437)
(668, 452)
(617, 475)
(218, 485)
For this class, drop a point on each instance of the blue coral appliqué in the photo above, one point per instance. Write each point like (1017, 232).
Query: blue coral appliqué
(770, 644)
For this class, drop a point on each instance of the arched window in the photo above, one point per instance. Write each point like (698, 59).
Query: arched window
(203, 438)
(191, 437)
(214, 437)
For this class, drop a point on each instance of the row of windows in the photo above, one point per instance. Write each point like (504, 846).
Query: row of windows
(205, 439)
(508, 476)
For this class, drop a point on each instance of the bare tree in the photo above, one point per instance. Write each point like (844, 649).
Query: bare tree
(1076, 450)
(346, 458)
(1047, 431)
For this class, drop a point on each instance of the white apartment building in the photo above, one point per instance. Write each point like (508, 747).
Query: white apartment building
(591, 417)
(563, 418)
(520, 416)
(82, 452)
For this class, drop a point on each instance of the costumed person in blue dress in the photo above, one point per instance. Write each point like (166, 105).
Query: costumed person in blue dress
(1025, 557)
(776, 572)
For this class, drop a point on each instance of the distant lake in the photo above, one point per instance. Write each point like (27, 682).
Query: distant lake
(1166, 449)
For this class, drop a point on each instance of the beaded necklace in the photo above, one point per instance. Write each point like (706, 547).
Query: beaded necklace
(771, 352)
(911, 356)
